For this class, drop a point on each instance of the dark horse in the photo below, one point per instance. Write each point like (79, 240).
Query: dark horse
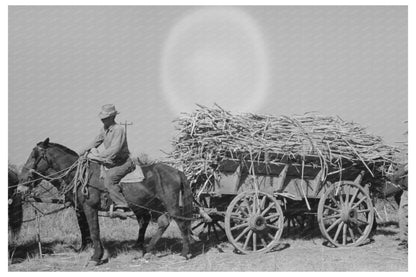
(159, 191)
(393, 183)
(15, 203)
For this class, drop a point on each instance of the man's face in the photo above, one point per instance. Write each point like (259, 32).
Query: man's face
(107, 121)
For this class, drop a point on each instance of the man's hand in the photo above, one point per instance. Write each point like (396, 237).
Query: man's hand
(93, 155)
(94, 151)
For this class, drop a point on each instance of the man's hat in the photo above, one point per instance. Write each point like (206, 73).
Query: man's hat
(107, 111)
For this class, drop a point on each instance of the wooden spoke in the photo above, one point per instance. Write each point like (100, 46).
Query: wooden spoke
(331, 208)
(239, 226)
(219, 226)
(267, 209)
(344, 233)
(363, 211)
(273, 216)
(247, 239)
(263, 202)
(236, 217)
(351, 234)
(273, 226)
(341, 200)
(199, 224)
(270, 236)
(347, 195)
(358, 229)
(334, 201)
(275, 220)
(255, 203)
(242, 233)
(254, 241)
(338, 230)
(332, 216)
(335, 223)
(362, 221)
(215, 232)
(263, 242)
(240, 208)
(354, 196)
(359, 202)
(247, 206)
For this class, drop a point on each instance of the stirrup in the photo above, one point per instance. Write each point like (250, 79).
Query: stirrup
(117, 212)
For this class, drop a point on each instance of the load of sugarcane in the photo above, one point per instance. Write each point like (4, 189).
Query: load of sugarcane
(208, 135)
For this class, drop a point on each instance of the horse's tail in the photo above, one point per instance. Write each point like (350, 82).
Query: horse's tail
(187, 198)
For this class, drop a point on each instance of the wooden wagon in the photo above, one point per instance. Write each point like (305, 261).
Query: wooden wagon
(248, 197)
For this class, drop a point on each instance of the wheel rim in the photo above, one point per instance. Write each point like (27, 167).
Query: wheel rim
(345, 214)
(254, 222)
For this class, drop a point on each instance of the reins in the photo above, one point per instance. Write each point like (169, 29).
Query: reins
(81, 178)
(49, 177)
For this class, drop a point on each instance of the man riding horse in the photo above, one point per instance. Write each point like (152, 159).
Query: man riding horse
(115, 157)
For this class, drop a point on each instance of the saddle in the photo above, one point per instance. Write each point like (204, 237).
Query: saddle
(136, 176)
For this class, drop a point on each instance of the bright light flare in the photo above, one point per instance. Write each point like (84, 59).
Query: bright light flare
(215, 55)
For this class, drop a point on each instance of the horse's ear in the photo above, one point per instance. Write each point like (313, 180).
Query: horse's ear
(46, 142)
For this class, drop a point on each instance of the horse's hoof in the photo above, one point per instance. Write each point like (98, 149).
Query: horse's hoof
(105, 257)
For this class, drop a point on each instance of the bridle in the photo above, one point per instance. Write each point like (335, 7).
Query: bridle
(35, 175)
(41, 156)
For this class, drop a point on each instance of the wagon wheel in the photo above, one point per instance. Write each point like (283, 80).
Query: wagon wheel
(254, 222)
(205, 229)
(345, 214)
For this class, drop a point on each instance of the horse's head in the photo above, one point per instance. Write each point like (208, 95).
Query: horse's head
(37, 165)
(394, 180)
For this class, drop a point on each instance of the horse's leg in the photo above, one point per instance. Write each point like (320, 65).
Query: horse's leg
(92, 218)
(143, 220)
(85, 231)
(163, 223)
(184, 227)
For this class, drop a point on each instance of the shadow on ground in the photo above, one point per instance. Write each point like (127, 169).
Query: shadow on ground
(19, 253)
(167, 246)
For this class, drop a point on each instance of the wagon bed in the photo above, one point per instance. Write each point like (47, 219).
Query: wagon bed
(300, 177)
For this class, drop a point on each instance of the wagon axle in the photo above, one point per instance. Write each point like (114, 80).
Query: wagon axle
(348, 214)
(257, 223)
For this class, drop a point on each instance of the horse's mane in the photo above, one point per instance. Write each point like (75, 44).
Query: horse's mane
(63, 148)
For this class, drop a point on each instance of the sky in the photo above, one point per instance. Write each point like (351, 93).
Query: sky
(154, 62)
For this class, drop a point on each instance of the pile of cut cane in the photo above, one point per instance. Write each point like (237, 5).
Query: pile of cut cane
(208, 135)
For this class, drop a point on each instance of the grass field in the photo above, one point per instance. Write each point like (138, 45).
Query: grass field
(60, 238)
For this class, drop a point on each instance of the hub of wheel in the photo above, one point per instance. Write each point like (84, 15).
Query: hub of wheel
(257, 223)
(348, 214)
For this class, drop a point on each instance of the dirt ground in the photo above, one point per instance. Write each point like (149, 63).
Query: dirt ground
(306, 252)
